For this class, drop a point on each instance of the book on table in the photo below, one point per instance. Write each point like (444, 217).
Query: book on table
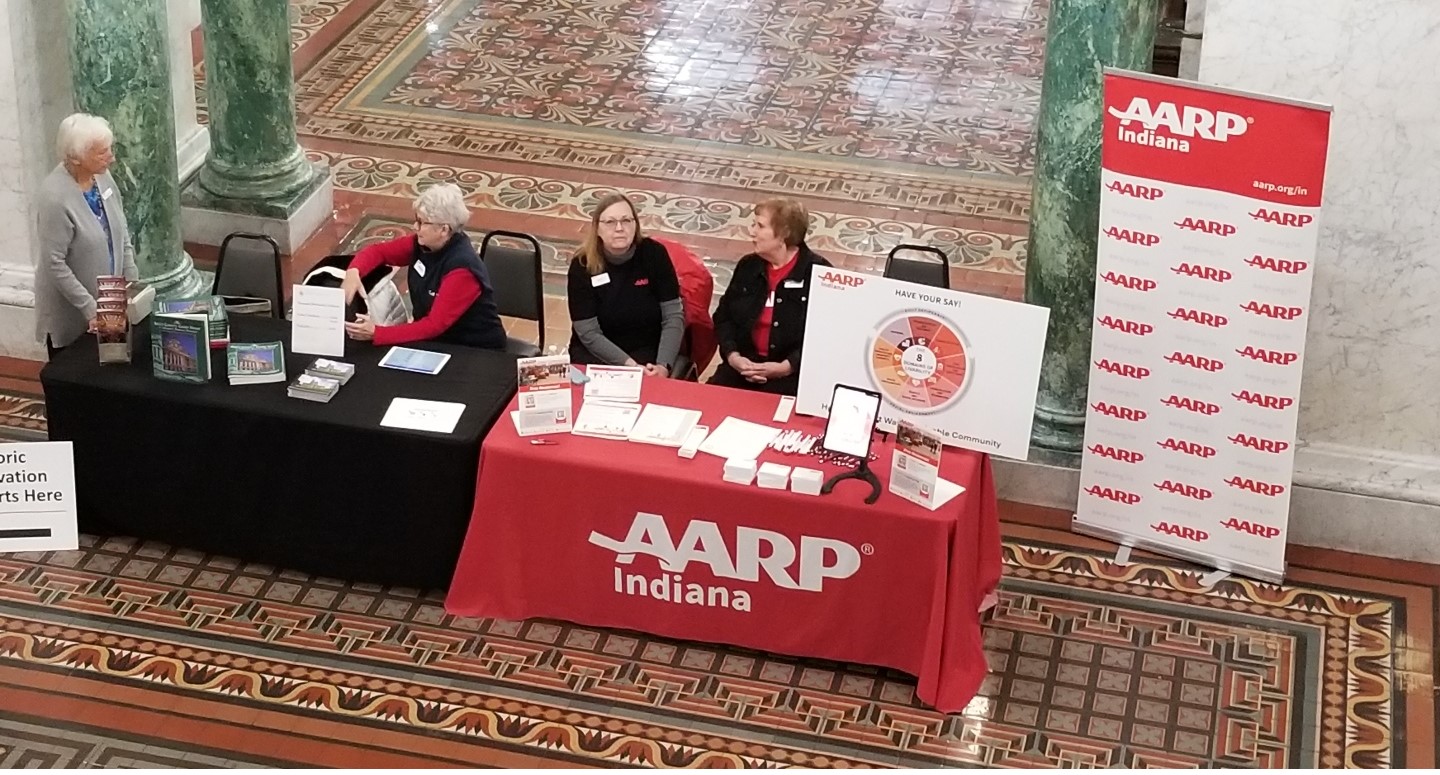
(213, 307)
(255, 363)
(179, 347)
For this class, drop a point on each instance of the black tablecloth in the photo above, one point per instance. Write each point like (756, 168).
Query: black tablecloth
(249, 472)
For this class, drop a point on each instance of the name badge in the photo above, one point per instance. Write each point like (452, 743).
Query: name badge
(600, 279)
(794, 283)
(107, 193)
(419, 268)
(770, 300)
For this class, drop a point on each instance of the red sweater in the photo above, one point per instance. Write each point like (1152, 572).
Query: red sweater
(458, 290)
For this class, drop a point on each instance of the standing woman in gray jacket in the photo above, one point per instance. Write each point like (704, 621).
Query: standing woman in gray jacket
(83, 233)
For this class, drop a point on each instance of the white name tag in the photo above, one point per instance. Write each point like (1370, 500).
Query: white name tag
(770, 300)
(420, 268)
(107, 193)
(600, 279)
(794, 283)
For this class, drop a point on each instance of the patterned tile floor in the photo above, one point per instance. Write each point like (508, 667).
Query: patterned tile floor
(131, 653)
(896, 121)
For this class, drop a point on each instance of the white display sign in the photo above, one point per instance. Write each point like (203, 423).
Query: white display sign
(317, 320)
(1206, 254)
(962, 365)
(37, 497)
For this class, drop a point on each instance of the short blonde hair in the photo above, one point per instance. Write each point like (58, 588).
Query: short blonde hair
(443, 203)
(80, 132)
(788, 219)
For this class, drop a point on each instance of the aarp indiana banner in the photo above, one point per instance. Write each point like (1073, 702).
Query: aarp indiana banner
(962, 365)
(1209, 214)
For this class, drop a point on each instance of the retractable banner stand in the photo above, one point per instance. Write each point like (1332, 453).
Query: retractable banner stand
(1208, 223)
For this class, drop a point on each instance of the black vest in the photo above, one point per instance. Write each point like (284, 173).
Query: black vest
(480, 325)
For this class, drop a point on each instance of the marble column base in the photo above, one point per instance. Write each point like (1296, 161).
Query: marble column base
(182, 282)
(17, 313)
(206, 219)
(1058, 433)
(1328, 519)
(191, 150)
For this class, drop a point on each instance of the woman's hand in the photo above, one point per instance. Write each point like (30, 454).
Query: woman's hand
(94, 325)
(656, 370)
(362, 329)
(760, 373)
(352, 285)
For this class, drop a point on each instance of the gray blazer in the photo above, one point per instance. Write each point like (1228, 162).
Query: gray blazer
(73, 252)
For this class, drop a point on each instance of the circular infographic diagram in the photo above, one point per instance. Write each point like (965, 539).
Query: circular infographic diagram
(919, 362)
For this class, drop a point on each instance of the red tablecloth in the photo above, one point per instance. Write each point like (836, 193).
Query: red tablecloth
(545, 515)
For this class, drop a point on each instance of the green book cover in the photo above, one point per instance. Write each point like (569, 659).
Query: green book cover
(211, 306)
(179, 348)
(255, 363)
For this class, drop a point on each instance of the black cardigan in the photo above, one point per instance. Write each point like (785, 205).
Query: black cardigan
(744, 300)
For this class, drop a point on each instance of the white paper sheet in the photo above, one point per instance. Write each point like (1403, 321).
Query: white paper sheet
(317, 325)
(667, 426)
(614, 383)
(738, 439)
(605, 419)
(416, 415)
(945, 491)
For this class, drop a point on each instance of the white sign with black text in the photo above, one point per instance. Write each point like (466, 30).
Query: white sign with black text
(37, 497)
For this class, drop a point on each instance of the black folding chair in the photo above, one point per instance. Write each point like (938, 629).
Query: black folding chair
(924, 271)
(249, 267)
(519, 284)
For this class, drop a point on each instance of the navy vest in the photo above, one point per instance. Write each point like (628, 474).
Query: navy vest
(480, 325)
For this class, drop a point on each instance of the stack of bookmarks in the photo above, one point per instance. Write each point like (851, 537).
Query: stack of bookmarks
(112, 319)
(321, 380)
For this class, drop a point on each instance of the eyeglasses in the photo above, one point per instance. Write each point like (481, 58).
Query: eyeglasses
(610, 223)
(420, 223)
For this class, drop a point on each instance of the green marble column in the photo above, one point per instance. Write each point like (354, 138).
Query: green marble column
(254, 154)
(120, 65)
(1084, 37)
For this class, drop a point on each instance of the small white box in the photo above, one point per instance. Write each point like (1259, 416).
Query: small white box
(740, 471)
(806, 481)
(693, 441)
(773, 476)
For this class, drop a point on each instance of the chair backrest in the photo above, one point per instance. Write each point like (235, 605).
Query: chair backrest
(924, 271)
(249, 265)
(517, 275)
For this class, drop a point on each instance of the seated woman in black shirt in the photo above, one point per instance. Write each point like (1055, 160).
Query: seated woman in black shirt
(623, 295)
(760, 323)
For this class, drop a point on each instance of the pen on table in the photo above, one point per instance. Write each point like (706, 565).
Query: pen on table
(542, 442)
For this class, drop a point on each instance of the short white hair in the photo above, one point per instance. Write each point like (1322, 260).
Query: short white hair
(443, 203)
(80, 132)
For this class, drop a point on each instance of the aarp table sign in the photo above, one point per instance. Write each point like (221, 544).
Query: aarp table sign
(37, 497)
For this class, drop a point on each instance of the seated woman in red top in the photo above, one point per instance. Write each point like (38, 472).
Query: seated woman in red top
(623, 294)
(760, 322)
(450, 291)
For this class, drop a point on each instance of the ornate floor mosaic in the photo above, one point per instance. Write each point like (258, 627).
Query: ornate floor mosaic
(896, 122)
(1092, 664)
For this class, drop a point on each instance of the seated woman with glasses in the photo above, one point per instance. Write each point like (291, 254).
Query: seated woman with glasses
(760, 322)
(450, 290)
(623, 294)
